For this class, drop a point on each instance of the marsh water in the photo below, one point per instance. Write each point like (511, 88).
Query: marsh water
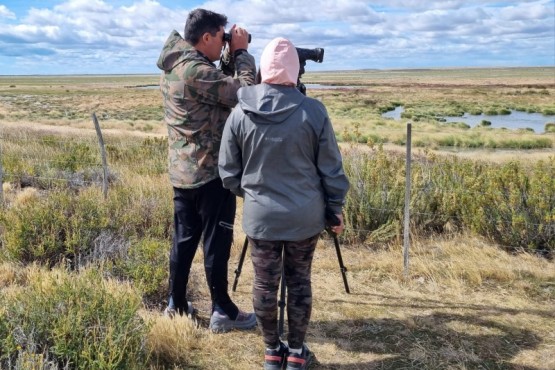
(515, 120)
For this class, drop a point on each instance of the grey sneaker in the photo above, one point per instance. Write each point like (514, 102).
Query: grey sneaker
(221, 323)
(170, 311)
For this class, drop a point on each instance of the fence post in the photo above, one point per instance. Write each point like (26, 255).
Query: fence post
(103, 155)
(1, 179)
(406, 227)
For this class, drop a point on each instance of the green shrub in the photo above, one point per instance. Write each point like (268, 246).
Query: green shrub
(550, 127)
(147, 266)
(76, 156)
(491, 112)
(54, 227)
(78, 321)
(144, 212)
(511, 204)
(485, 123)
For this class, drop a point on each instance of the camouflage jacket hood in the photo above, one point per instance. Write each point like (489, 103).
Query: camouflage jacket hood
(176, 50)
(197, 99)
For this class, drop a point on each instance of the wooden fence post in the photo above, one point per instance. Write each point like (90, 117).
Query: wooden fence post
(1, 179)
(406, 228)
(103, 154)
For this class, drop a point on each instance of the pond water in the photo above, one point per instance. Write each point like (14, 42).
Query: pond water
(515, 120)
(326, 87)
(308, 86)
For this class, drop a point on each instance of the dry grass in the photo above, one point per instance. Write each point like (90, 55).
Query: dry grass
(465, 305)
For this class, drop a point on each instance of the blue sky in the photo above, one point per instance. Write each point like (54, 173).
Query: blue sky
(125, 36)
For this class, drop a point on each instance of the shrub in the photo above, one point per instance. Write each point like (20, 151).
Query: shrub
(485, 123)
(141, 212)
(511, 204)
(146, 265)
(77, 321)
(76, 156)
(54, 227)
(550, 127)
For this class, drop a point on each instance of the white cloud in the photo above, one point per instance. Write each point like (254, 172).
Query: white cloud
(6, 13)
(356, 34)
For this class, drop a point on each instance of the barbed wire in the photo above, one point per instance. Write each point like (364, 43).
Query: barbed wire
(54, 179)
(454, 217)
(126, 144)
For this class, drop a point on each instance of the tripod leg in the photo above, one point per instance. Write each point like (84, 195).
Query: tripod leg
(281, 303)
(240, 265)
(341, 265)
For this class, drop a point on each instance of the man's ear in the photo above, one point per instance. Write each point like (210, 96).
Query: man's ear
(205, 37)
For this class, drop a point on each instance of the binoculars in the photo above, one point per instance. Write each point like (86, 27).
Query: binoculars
(227, 37)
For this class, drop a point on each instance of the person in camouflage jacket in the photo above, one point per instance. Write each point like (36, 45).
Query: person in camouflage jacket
(198, 98)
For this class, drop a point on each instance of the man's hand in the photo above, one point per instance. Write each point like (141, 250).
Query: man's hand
(239, 39)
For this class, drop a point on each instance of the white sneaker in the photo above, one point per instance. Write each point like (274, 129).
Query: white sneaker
(170, 311)
(221, 323)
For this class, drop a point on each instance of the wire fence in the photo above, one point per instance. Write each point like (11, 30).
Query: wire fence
(92, 168)
(125, 145)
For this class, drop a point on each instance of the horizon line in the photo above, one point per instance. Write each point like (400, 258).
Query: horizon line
(321, 71)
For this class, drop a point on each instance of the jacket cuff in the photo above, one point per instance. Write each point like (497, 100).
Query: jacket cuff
(239, 52)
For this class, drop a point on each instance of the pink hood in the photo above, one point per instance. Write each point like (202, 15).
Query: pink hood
(279, 63)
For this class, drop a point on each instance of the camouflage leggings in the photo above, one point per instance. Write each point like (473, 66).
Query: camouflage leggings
(267, 260)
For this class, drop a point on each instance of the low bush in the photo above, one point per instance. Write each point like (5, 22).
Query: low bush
(512, 204)
(146, 264)
(54, 228)
(76, 321)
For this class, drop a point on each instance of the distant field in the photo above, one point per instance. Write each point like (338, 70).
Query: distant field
(132, 102)
(543, 76)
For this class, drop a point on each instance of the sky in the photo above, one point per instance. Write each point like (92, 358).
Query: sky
(49, 37)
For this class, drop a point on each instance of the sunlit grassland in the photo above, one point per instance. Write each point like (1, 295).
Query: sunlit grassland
(83, 279)
(121, 104)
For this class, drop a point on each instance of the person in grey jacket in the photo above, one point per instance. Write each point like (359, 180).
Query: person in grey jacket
(279, 153)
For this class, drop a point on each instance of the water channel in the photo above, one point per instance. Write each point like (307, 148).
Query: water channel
(515, 120)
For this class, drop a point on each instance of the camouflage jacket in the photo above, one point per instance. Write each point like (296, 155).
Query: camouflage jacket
(198, 98)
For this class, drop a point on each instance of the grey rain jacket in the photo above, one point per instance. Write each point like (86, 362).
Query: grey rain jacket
(279, 153)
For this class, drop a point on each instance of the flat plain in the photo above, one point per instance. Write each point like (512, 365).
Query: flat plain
(464, 302)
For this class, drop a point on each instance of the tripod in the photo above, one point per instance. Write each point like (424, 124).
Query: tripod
(281, 302)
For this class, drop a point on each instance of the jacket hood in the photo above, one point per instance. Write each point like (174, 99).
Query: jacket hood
(279, 63)
(269, 103)
(175, 51)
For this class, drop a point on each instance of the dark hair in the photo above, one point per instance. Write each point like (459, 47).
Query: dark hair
(200, 21)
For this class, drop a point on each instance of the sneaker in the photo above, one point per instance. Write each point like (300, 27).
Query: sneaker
(171, 311)
(221, 323)
(302, 361)
(275, 359)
